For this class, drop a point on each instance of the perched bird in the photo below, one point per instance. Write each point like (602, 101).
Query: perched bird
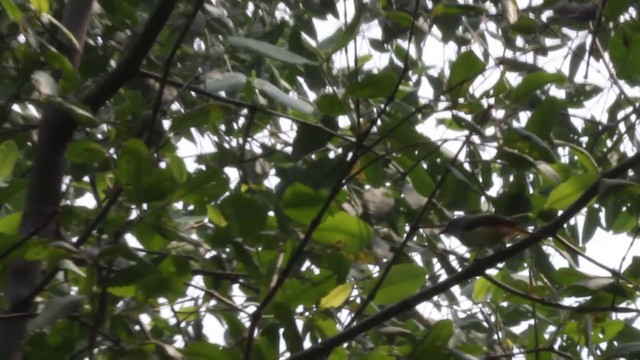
(483, 230)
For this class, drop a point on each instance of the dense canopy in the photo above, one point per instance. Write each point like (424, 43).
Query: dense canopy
(267, 180)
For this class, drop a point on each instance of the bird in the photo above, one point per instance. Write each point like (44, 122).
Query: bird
(483, 230)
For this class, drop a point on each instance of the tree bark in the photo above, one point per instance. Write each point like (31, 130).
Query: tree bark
(45, 180)
(43, 190)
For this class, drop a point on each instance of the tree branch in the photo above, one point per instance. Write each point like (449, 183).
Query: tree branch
(475, 269)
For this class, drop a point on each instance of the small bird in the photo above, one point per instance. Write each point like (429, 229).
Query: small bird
(483, 230)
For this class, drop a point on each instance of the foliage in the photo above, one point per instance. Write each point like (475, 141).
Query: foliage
(286, 182)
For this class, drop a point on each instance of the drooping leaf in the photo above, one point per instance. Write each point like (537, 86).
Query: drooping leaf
(530, 144)
(463, 71)
(566, 193)
(228, 81)
(534, 82)
(402, 281)
(55, 309)
(344, 231)
(11, 9)
(434, 343)
(268, 50)
(544, 118)
(9, 155)
(457, 9)
(337, 296)
(301, 203)
(279, 96)
(245, 214)
(625, 53)
(341, 37)
(140, 177)
(85, 152)
(372, 86)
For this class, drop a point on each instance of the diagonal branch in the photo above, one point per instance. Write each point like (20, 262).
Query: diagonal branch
(475, 269)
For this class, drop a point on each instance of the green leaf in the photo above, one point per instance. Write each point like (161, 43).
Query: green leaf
(331, 105)
(547, 171)
(10, 224)
(228, 81)
(583, 156)
(530, 144)
(301, 203)
(85, 152)
(578, 94)
(268, 50)
(336, 297)
(41, 6)
(279, 96)
(614, 9)
(545, 118)
(341, 37)
(422, 182)
(624, 222)
(177, 167)
(403, 280)
(11, 9)
(569, 191)
(591, 224)
(624, 51)
(134, 163)
(81, 115)
(608, 187)
(246, 215)
(344, 231)
(623, 351)
(141, 179)
(310, 139)
(525, 26)
(434, 344)
(482, 290)
(295, 292)
(9, 155)
(215, 216)
(401, 18)
(457, 9)
(534, 82)
(55, 309)
(569, 276)
(380, 85)
(463, 71)
(599, 332)
(204, 350)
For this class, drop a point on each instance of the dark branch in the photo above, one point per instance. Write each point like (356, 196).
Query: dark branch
(475, 269)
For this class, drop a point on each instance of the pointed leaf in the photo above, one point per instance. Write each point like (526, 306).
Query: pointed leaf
(85, 152)
(336, 297)
(530, 144)
(624, 51)
(246, 214)
(544, 118)
(279, 96)
(403, 280)
(268, 50)
(340, 38)
(371, 86)
(463, 71)
(566, 193)
(9, 155)
(55, 309)
(344, 231)
(533, 82)
(228, 81)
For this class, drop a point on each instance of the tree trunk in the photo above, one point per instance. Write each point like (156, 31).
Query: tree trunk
(43, 191)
